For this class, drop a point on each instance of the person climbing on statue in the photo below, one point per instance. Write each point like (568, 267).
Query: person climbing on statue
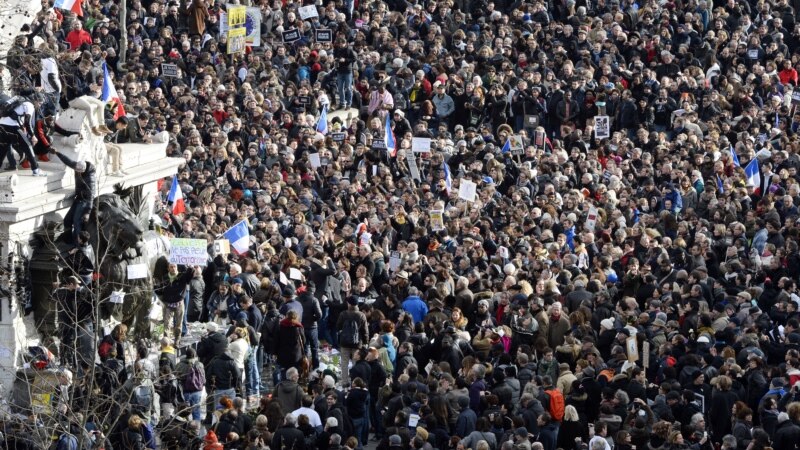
(85, 193)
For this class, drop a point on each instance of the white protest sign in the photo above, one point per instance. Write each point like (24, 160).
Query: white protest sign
(394, 261)
(602, 127)
(591, 218)
(516, 144)
(313, 158)
(188, 252)
(420, 145)
(365, 238)
(308, 12)
(467, 190)
(137, 271)
(295, 274)
(437, 220)
(282, 278)
(117, 297)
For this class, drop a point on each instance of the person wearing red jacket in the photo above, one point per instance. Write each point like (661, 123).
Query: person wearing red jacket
(78, 36)
(42, 131)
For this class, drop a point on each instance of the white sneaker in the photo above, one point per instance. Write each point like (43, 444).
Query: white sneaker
(116, 174)
(39, 173)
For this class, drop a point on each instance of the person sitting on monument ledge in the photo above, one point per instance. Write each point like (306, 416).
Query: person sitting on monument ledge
(85, 193)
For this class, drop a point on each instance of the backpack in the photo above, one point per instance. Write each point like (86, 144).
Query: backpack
(195, 380)
(142, 399)
(66, 442)
(104, 349)
(8, 105)
(348, 336)
(385, 361)
(556, 405)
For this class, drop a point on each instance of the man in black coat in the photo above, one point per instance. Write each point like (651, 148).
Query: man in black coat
(212, 344)
(85, 192)
(787, 434)
(312, 313)
(288, 436)
(361, 368)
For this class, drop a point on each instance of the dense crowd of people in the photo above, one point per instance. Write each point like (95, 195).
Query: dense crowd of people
(624, 276)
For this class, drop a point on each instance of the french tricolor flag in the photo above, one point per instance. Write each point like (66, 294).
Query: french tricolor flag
(70, 5)
(175, 197)
(239, 237)
(391, 143)
(110, 93)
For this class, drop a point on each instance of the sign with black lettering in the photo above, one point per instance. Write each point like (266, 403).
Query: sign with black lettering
(324, 35)
(531, 121)
(796, 97)
(290, 36)
(169, 70)
(379, 144)
(338, 137)
(304, 100)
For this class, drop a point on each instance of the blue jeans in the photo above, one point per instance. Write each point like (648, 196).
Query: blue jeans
(361, 429)
(193, 399)
(324, 333)
(73, 220)
(184, 330)
(252, 373)
(344, 87)
(312, 340)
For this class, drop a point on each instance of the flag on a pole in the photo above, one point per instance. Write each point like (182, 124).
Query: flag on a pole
(735, 158)
(753, 174)
(448, 179)
(70, 5)
(175, 197)
(322, 125)
(110, 94)
(391, 144)
(239, 237)
(507, 146)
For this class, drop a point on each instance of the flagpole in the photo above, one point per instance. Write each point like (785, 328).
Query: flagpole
(123, 38)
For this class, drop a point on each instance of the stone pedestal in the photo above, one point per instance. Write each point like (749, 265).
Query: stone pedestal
(27, 202)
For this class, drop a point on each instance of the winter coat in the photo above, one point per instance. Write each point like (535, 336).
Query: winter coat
(211, 346)
(197, 14)
(222, 373)
(289, 343)
(289, 395)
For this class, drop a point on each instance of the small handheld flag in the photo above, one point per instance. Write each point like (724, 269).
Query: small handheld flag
(735, 158)
(322, 125)
(753, 174)
(175, 197)
(239, 237)
(507, 146)
(70, 5)
(448, 179)
(719, 185)
(391, 144)
(110, 94)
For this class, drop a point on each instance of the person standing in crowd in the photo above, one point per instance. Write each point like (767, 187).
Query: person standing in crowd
(353, 333)
(171, 291)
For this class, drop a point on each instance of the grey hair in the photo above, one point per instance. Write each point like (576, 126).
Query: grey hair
(290, 420)
(599, 444)
(696, 418)
(413, 291)
(292, 374)
(336, 439)
(729, 441)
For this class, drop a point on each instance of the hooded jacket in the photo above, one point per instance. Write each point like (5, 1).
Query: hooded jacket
(289, 394)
